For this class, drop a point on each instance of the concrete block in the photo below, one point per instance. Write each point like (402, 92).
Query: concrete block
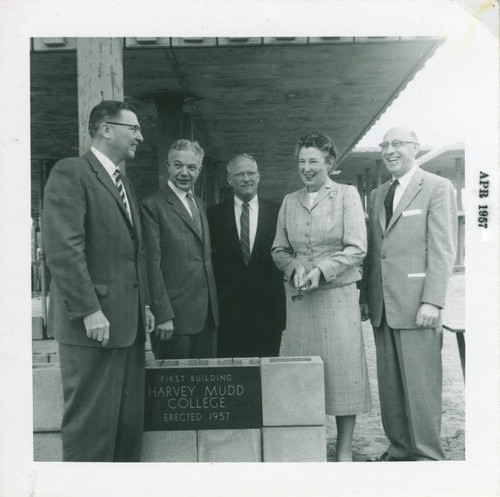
(47, 398)
(293, 391)
(187, 363)
(37, 328)
(40, 358)
(47, 447)
(169, 446)
(54, 358)
(230, 446)
(161, 363)
(47, 346)
(294, 444)
(246, 361)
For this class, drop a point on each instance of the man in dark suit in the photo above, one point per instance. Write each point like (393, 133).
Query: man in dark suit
(250, 288)
(99, 294)
(411, 251)
(182, 285)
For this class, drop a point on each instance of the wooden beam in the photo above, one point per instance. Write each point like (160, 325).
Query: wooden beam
(100, 77)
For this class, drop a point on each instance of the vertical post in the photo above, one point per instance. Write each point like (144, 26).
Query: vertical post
(361, 189)
(367, 187)
(459, 182)
(100, 77)
(170, 128)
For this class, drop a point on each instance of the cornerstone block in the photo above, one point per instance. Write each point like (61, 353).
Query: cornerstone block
(294, 444)
(47, 397)
(293, 391)
(169, 446)
(230, 446)
(203, 398)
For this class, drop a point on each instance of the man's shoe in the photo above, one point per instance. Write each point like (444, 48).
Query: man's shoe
(386, 457)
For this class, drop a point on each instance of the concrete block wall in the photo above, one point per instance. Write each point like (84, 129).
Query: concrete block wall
(293, 416)
(47, 409)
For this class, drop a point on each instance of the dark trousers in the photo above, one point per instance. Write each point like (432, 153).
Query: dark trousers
(103, 402)
(180, 346)
(248, 345)
(409, 371)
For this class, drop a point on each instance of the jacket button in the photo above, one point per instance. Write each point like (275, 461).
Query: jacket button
(135, 285)
(383, 257)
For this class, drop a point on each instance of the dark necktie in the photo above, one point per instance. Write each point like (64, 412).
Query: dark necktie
(245, 232)
(389, 200)
(121, 190)
(195, 212)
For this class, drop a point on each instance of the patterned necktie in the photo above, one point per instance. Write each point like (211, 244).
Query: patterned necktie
(195, 212)
(389, 200)
(245, 232)
(121, 190)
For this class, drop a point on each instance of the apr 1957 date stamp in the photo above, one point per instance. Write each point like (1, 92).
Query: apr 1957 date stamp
(482, 209)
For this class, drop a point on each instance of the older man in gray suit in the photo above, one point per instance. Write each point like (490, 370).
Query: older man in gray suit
(411, 251)
(181, 278)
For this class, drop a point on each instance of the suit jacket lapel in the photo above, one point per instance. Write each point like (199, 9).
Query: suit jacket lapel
(304, 198)
(132, 202)
(380, 208)
(411, 191)
(232, 231)
(329, 189)
(181, 211)
(261, 221)
(105, 179)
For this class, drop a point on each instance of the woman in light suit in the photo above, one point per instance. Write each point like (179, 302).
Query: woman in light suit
(319, 245)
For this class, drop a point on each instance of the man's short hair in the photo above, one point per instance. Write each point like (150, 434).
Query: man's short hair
(238, 158)
(184, 144)
(104, 111)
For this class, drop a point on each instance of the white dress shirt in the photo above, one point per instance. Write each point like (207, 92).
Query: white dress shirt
(110, 168)
(181, 194)
(403, 184)
(253, 212)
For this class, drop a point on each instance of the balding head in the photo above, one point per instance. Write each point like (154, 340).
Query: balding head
(399, 150)
(407, 133)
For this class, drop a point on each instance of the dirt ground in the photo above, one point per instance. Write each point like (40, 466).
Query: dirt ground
(369, 438)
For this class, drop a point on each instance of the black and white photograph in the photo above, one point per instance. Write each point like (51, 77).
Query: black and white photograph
(260, 232)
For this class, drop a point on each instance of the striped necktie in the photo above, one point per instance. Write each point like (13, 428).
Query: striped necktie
(195, 212)
(245, 232)
(121, 189)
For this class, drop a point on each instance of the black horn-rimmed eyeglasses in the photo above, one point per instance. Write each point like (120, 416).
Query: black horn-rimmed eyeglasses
(134, 127)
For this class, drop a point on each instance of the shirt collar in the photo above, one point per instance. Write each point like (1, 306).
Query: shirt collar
(180, 193)
(106, 162)
(253, 204)
(406, 178)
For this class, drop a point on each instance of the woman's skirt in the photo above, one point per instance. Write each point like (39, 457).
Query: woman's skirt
(327, 323)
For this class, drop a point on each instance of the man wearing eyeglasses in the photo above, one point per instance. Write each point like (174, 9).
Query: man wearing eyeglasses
(250, 288)
(99, 300)
(411, 251)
